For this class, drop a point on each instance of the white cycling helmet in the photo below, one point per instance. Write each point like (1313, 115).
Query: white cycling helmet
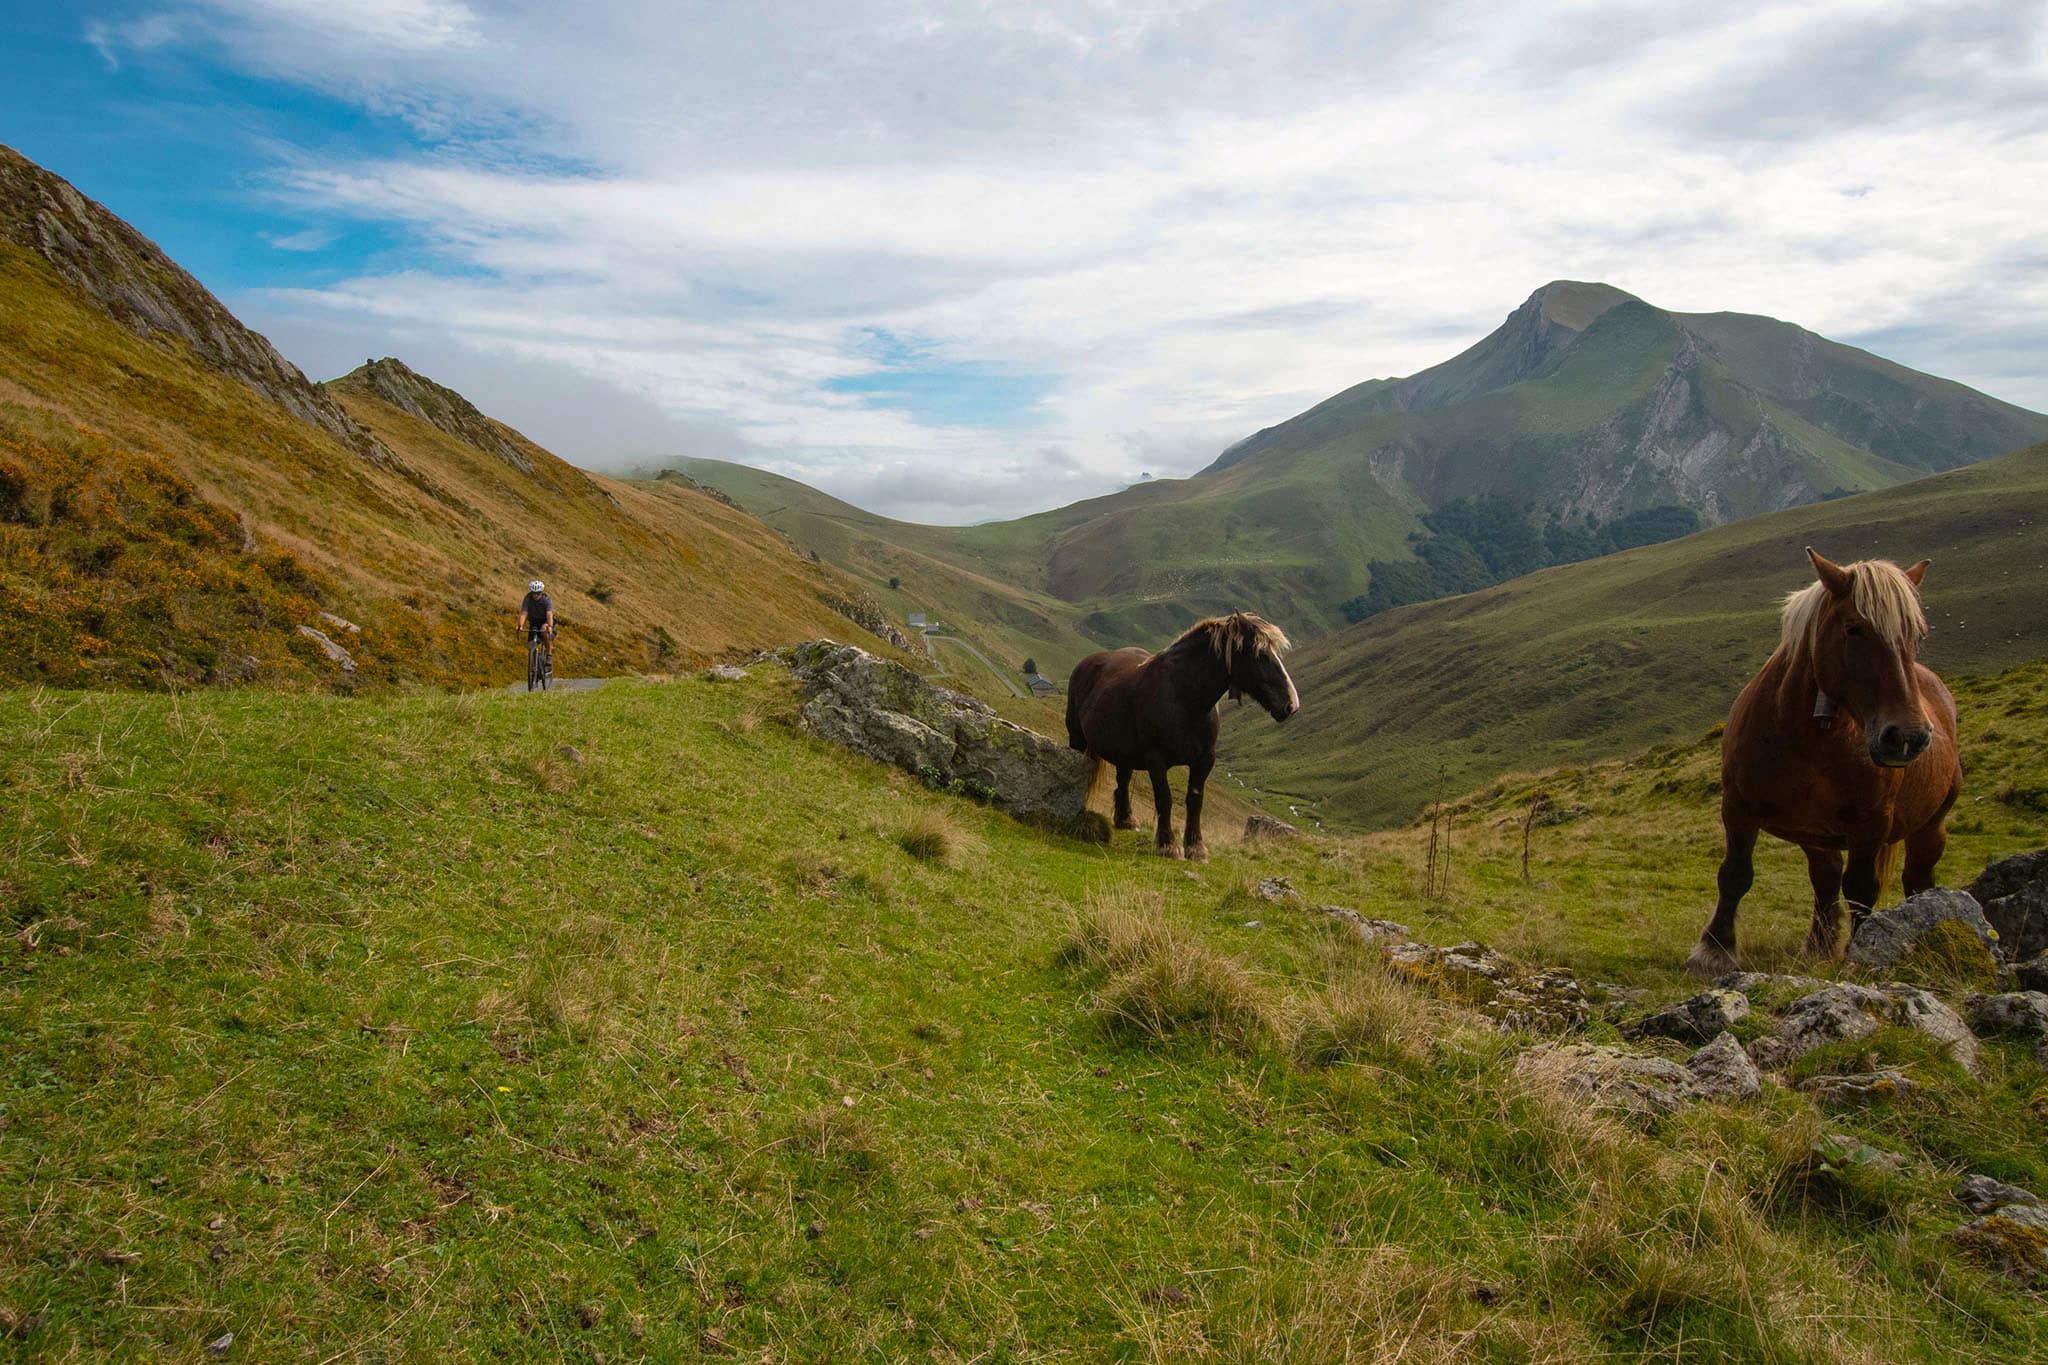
(536, 586)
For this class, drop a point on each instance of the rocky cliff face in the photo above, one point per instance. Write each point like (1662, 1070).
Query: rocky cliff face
(147, 292)
(413, 393)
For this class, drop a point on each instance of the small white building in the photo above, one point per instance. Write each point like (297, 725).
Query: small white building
(917, 620)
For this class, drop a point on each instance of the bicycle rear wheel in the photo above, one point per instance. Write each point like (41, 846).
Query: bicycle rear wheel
(533, 673)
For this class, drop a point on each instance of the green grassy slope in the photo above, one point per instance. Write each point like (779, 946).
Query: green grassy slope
(160, 523)
(394, 1027)
(1596, 659)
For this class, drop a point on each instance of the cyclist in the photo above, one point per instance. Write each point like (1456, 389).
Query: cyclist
(537, 620)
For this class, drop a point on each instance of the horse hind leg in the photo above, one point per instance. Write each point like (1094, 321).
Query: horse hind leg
(1124, 818)
(1191, 838)
(1824, 870)
(1714, 954)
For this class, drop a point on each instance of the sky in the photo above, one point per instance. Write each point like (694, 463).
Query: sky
(957, 261)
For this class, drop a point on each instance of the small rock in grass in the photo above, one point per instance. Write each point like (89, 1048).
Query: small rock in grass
(2020, 1012)
(1265, 826)
(571, 753)
(725, 673)
(2012, 1241)
(219, 1345)
(1982, 1194)
(1723, 1071)
(1367, 928)
(1698, 1018)
(1867, 1087)
(1171, 1294)
(1274, 889)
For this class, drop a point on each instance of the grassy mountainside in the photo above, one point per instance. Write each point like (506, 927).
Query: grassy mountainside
(407, 1031)
(1596, 659)
(1586, 407)
(175, 500)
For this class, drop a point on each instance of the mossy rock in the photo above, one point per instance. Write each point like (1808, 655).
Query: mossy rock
(1949, 955)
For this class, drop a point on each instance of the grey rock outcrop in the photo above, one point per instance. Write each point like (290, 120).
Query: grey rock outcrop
(144, 290)
(2014, 894)
(1697, 1018)
(1846, 1011)
(1370, 929)
(881, 709)
(2013, 1012)
(1982, 1194)
(2032, 975)
(1865, 1087)
(867, 613)
(725, 673)
(1886, 937)
(2011, 1240)
(1258, 826)
(335, 653)
(1274, 889)
(1516, 998)
(1617, 1078)
(1722, 1071)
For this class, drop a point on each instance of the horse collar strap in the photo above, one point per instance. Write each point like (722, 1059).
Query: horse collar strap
(1823, 709)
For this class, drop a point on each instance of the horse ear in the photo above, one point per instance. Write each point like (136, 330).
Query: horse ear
(1917, 572)
(1831, 573)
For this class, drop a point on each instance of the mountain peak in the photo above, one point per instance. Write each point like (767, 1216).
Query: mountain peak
(396, 383)
(1576, 303)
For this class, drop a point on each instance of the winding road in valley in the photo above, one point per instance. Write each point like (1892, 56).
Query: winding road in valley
(1001, 676)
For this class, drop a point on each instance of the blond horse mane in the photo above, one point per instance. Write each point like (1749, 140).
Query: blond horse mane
(1224, 636)
(1880, 593)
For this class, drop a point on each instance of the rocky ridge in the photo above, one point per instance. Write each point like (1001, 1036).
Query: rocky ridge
(147, 292)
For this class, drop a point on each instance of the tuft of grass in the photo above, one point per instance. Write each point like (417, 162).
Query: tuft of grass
(930, 837)
(1365, 1012)
(1163, 982)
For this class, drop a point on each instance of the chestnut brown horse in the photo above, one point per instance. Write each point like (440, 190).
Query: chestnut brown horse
(1136, 710)
(1843, 743)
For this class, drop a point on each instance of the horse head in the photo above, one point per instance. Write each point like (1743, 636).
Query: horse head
(1861, 627)
(1249, 647)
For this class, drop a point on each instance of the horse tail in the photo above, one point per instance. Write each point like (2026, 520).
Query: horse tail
(1098, 778)
(1887, 867)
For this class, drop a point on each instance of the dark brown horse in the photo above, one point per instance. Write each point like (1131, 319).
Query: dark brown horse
(1136, 710)
(1842, 743)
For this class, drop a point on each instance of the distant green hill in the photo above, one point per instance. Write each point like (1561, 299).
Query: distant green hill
(1588, 420)
(1597, 659)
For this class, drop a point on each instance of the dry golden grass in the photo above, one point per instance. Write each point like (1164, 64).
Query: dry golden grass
(1161, 982)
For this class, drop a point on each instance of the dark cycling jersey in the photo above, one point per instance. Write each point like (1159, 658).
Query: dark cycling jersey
(537, 605)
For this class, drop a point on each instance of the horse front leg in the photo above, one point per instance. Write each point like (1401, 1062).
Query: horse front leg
(1124, 818)
(1924, 848)
(1198, 777)
(1860, 883)
(1824, 870)
(1715, 952)
(1162, 805)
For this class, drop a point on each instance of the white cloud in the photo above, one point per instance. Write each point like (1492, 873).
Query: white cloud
(1195, 219)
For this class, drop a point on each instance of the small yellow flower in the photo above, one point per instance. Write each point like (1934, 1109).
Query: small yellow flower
(504, 1090)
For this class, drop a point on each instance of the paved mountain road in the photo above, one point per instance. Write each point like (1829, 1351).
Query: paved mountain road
(1001, 676)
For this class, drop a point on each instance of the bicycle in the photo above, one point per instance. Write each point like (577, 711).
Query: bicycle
(540, 658)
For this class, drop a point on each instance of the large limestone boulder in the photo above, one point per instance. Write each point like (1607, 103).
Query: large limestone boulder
(879, 708)
(2014, 894)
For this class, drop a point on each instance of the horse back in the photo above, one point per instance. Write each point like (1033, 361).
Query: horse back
(1094, 687)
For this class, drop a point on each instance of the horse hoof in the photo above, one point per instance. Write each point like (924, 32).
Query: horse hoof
(1128, 822)
(1197, 853)
(1710, 960)
(1168, 851)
